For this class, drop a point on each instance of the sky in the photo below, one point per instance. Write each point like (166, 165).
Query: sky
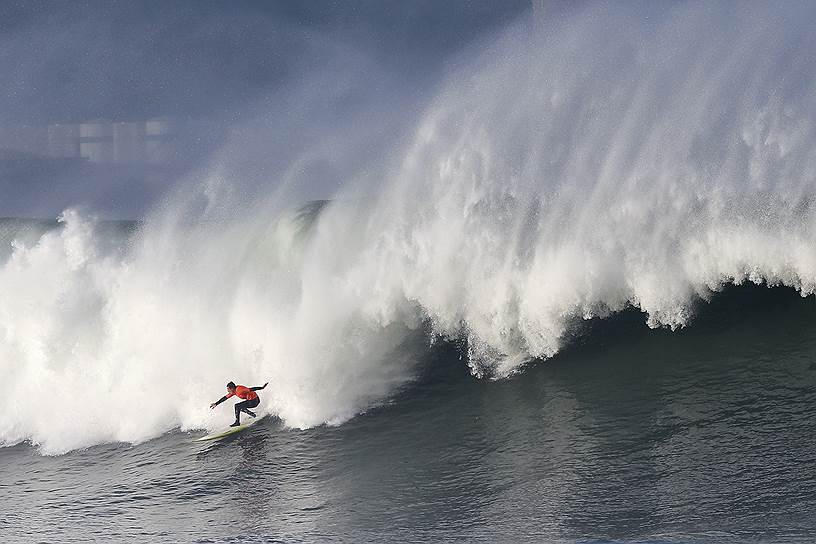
(259, 82)
(72, 61)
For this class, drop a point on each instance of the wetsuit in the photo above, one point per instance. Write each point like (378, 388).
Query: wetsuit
(251, 400)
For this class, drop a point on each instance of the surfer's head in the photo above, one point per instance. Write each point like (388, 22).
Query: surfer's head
(231, 387)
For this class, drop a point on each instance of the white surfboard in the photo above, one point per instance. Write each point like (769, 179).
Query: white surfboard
(229, 431)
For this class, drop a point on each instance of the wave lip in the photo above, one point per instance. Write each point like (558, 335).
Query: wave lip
(583, 171)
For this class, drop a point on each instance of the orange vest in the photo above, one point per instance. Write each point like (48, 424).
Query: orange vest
(244, 392)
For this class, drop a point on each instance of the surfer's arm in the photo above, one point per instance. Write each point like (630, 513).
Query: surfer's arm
(219, 401)
(259, 388)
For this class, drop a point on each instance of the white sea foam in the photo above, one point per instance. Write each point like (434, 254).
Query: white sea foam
(600, 161)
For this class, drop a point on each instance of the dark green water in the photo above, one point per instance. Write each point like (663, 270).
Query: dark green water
(630, 435)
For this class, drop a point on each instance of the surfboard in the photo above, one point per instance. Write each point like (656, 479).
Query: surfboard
(231, 430)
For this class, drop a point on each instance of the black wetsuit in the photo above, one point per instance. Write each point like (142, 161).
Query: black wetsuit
(244, 406)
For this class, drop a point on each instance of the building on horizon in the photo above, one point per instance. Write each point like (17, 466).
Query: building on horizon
(151, 141)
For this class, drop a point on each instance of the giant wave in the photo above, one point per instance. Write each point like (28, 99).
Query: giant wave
(603, 160)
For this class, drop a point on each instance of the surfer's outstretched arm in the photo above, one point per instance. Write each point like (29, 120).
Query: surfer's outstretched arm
(219, 401)
(259, 388)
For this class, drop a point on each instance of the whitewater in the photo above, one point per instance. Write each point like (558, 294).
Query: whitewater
(575, 168)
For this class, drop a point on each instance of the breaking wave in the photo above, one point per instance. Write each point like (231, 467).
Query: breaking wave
(609, 158)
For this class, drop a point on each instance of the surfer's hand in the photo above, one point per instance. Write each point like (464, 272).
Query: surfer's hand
(264, 387)
(213, 405)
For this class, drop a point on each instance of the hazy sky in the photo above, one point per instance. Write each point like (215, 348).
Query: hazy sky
(273, 81)
(65, 61)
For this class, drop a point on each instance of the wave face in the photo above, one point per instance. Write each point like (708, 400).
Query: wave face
(606, 159)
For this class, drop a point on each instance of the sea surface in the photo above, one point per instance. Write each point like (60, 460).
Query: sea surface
(631, 435)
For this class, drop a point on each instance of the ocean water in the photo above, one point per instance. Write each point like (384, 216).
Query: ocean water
(575, 302)
(635, 435)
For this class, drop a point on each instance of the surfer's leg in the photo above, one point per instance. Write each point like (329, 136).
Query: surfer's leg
(250, 404)
(238, 407)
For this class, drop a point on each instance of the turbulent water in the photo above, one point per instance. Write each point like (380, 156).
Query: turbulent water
(635, 435)
(609, 167)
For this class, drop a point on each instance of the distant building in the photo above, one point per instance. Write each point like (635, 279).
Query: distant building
(160, 135)
(117, 166)
(63, 141)
(152, 141)
(23, 139)
(96, 141)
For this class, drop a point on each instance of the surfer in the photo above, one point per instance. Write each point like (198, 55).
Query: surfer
(251, 399)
